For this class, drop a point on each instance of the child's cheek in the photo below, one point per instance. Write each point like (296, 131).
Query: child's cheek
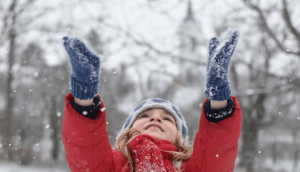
(138, 125)
(172, 131)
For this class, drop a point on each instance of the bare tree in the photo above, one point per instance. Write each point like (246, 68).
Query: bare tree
(258, 90)
(20, 60)
(7, 116)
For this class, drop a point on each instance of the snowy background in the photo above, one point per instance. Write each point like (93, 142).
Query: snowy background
(149, 48)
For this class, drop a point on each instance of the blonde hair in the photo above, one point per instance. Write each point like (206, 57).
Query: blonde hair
(184, 150)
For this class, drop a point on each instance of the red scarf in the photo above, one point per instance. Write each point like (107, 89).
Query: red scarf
(149, 155)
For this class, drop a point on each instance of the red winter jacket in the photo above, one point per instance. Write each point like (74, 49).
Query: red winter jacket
(88, 150)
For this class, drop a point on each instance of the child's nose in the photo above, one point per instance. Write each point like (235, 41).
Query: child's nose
(155, 118)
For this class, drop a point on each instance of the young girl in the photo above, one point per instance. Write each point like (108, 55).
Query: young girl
(153, 137)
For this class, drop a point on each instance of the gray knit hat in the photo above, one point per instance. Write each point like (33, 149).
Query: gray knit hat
(157, 103)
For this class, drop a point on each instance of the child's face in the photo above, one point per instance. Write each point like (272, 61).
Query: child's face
(158, 123)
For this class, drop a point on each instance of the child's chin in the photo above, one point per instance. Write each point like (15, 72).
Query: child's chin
(154, 135)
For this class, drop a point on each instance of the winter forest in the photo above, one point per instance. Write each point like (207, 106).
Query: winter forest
(149, 48)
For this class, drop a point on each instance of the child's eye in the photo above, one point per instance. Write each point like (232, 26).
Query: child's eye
(168, 119)
(144, 116)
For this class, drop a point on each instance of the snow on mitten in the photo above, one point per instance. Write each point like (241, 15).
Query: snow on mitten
(217, 86)
(85, 65)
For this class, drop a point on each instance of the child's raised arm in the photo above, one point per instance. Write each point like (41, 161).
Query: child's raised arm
(87, 102)
(218, 104)
(84, 125)
(216, 142)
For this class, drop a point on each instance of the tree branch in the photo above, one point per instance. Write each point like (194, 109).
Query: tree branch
(288, 21)
(267, 28)
(24, 7)
(9, 13)
(154, 49)
(266, 90)
(268, 74)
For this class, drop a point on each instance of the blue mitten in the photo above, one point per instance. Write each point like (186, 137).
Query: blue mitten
(217, 86)
(85, 65)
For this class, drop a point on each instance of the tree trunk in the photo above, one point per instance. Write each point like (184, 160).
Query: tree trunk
(251, 126)
(55, 125)
(249, 139)
(8, 112)
(296, 153)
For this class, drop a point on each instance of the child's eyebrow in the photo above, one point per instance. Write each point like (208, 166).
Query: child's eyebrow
(143, 113)
(170, 115)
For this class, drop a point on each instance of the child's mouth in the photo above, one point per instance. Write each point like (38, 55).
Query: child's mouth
(153, 128)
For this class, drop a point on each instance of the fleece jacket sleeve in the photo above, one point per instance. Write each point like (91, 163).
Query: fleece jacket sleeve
(216, 144)
(85, 140)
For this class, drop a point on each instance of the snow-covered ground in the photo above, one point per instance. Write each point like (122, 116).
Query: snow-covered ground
(11, 167)
(285, 166)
